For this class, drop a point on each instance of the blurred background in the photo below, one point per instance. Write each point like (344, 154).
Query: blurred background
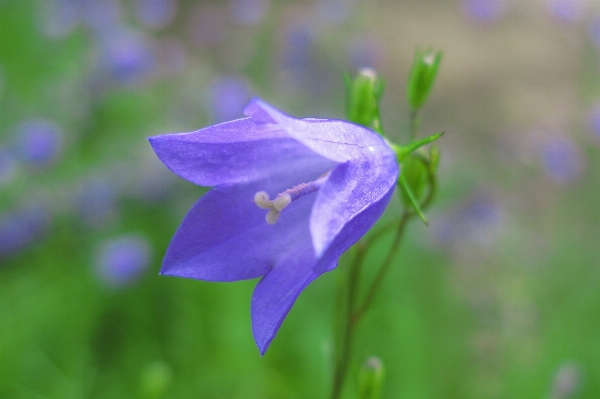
(497, 298)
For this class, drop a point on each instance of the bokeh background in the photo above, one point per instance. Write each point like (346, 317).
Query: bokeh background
(498, 298)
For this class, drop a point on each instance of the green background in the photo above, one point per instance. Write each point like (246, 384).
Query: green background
(497, 298)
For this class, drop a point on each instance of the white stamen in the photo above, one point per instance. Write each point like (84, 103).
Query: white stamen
(261, 199)
(281, 201)
(273, 216)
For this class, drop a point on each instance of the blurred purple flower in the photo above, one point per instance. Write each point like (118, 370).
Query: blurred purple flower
(8, 166)
(478, 220)
(127, 55)
(38, 142)
(172, 56)
(562, 159)
(248, 12)
(364, 53)
(99, 14)
(301, 65)
(566, 10)
(227, 97)
(484, 10)
(20, 228)
(334, 180)
(335, 11)
(297, 54)
(207, 25)
(155, 13)
(594, 31)
(594, 119)
(59, 17)
(567, 381)
(95, 202)
(122, 260)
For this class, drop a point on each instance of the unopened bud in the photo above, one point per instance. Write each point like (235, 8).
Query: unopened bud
(362, 99)
(422, 76)
(567, 381)
(371, 378)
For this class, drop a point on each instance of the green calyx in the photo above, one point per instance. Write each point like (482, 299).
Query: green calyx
(417, 178)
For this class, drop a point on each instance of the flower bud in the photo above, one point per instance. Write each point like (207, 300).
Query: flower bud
(362, 99)
(370, 379)
(567, 381)
(422, 76)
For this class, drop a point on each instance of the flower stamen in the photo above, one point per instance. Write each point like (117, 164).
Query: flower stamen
(275, 206)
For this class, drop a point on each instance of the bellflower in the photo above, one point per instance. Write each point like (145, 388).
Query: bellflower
(289, 197)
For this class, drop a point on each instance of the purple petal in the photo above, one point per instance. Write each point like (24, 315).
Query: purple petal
(339, 141)
(275, 294)
(225, 236)
(351, 232)
(352, 188)
(233, 152)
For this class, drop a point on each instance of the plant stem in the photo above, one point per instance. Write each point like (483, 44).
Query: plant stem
(415, 121)
(346, 348)
(385, 267)
(353, 316)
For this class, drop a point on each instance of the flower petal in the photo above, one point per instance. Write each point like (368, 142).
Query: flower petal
(225, 236)
(275, 294)
(351, 189)
(238, 151)
(337, 140)
(351, 232)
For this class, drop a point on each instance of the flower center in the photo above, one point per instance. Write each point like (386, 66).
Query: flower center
(275, 206)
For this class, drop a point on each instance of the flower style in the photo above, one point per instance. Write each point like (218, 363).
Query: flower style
(330, 181)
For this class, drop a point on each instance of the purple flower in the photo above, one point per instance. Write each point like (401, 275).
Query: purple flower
(155, 13)
(39, 142)
(330, 181)
(566, 10)
(562, 159)
(122, 260)
(484, 10)
(20, 228)
(128, 55)
(227, 97)
(8, 166)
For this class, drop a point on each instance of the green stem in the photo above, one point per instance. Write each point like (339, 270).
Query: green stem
(415, 122)
(385, 267)
(354, 316)
(346, 347)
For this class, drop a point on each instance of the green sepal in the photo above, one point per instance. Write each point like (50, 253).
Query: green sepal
(422, 77)
(403, 151)
(363, 93)
(412, 182)
(370, 379)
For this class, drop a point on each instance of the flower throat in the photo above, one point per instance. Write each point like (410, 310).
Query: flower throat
(275, 206)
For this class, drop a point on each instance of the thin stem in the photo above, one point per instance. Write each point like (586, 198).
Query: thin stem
(415, 121)
(385, 267)
(354, 316)
(346, 348)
